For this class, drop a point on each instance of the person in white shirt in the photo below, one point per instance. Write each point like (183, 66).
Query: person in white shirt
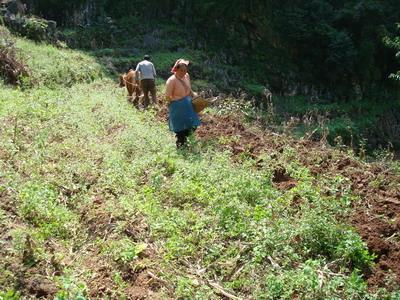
(147, 73)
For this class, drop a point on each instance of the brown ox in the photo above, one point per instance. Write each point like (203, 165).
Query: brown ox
(131, 82)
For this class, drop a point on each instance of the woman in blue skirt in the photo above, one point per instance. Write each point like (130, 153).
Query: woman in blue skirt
(183, 120)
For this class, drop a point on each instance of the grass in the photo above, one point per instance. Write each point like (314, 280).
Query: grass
(94, 191)
(351, 120)
(53, 67)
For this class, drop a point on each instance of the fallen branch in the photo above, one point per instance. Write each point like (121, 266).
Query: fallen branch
(198, 272)
(222, 291)
(156, 277)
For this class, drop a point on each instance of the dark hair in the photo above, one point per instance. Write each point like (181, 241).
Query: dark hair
(147, 57)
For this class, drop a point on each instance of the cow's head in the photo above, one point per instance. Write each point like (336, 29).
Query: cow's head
(121, 81)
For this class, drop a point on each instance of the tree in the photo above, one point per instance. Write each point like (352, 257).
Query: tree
(394, 43)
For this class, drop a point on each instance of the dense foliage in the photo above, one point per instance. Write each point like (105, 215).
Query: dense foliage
(322, 44)
(395, 44)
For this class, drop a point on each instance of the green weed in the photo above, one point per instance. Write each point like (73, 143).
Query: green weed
(124, 250)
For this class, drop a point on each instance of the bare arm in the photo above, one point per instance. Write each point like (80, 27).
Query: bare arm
(169, 89)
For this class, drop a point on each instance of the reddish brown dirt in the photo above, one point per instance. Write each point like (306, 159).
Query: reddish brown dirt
(282, 180)
(41, 287)
(138, 283)
(376, 216)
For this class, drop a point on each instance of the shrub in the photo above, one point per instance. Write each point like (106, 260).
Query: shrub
(11, 67)
(33, 28)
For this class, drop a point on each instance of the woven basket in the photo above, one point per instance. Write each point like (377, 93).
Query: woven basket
(200, 103)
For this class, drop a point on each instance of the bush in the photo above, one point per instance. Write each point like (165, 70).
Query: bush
(11, 67)
(99, 35)
(33, 28)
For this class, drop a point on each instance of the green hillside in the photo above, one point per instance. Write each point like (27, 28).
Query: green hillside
(96, 202)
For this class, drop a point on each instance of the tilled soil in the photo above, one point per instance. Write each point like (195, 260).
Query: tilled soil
(140, 283)
(376, 216)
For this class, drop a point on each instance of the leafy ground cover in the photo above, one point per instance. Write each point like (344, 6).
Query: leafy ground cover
(97, 203)
(53, 67)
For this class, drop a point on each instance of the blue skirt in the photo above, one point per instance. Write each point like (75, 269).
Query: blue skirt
(182, 115)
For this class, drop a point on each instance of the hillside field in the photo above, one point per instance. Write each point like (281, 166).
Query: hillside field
(96, 202)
